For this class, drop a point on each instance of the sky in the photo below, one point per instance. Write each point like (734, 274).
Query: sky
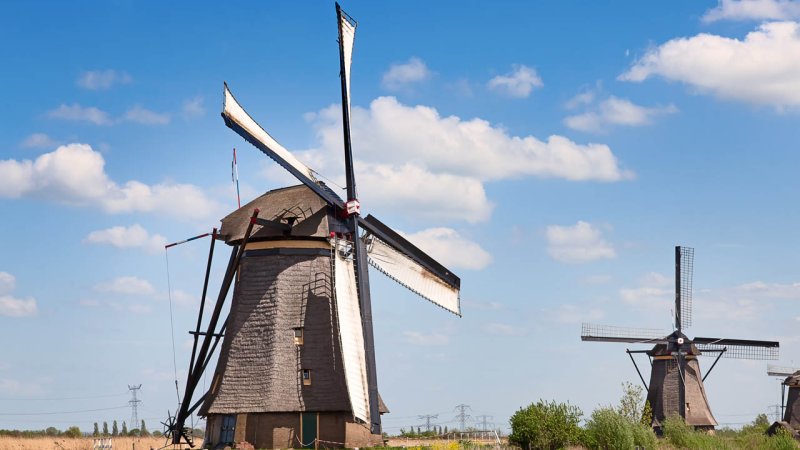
(552, 154)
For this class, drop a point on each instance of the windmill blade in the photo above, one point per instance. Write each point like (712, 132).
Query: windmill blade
(738, 348)
(781, 371)
(403, 262)
(608, 333)
(684, 273)
(237, 119)
(347, 36)
(351, 334)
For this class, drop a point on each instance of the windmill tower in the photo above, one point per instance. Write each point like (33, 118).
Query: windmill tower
(790, 406)
(297, 361)
(676, 385)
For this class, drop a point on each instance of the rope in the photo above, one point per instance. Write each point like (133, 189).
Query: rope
(172, 329)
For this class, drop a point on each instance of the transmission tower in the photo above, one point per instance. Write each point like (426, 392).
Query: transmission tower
(462, 415)
(484, 422)
(134, 402)
(427, 419)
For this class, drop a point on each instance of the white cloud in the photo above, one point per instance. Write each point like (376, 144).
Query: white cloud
(450, 249)
(12, 387)
(419, 338)
(96, 80)
(7, 283)
(518, 83)
(145, 116)
(504, 329)
(127, 237)
(126, 286)
(572, 314)
(653, 293)
(771, 290)
(763, 68)
(401, 75)
(760, 10)
(583, 98)
(193, 108)
(577, 243)
(11, 306)
(412, 158)
(39, 140)
(78, 113)
(74, 174)
(616, 111)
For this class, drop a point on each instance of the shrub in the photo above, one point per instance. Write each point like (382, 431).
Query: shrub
(73, 432)
(546, 425)
(609, 429)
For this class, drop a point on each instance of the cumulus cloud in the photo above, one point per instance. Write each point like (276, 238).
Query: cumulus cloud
(126, 285)
(78, 113)
(11, 306)
(193, 108)
(616, 111)
(771, 290)
(448, 158)
(763, 68)
(97, 80)
(10, 387)
(518, 83)
(402, 75)
(134, 236)
(759, 10)
(144, 116)
(39, 140)
(579, 243)
(450, 249)
(75, 174)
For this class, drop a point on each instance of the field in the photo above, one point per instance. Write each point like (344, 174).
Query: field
(65, 443)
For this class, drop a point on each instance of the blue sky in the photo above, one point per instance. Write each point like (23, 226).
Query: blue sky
(552, 154)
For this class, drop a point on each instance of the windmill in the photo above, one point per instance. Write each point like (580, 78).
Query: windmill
(297, 361)
(790, 406)
(676, 386)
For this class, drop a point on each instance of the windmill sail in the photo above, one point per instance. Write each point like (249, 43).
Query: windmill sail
(739, 348)
(684, 274)
(347, 36)
(237, 119)
(350, 332)
(403, 262)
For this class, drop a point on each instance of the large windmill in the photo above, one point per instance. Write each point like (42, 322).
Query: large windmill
(297, 361)
(790, 405)
(676, 385)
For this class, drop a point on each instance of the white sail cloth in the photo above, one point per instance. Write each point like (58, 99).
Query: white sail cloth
(412, 275)
(351, 332)
(233, 111)
(348, 36)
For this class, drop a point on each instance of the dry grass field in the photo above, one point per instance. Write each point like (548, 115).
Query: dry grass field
(64, 443)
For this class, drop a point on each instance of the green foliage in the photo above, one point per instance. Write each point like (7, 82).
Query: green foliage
(73, 432)
(114, 429)
(157, 433)
(105, 429)
(632, 401)
(546, 425)
(647, 415)
(124, 431)
(609, 429)
(96, 431)
(143, 430)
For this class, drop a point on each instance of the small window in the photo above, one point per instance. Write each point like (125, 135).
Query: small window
(298, 336)
(306, 377)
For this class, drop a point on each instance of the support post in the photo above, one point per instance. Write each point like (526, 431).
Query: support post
(721, 352)
(630, 353)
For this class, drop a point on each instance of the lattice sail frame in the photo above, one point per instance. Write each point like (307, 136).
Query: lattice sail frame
(610, 333)
(686, 278)
(781, 371)
(739, 351)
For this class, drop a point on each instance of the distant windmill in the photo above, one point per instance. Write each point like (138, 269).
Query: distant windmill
(676, 387)
(297, 362)
(790, 408)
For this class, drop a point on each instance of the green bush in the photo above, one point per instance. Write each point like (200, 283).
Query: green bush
(609, 429)
(643, 436)
(73, 432)
(546, 425)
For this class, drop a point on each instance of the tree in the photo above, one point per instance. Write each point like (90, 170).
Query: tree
(419, 430)
(124, 429)
(105, 428)
(51, 431)
(647, 415)
(96, 431)
(445, 429)
(114, 429)
(630, 405)
(73, 432)
(546, 425)
(143, 430)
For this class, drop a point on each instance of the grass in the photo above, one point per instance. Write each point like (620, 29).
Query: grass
(65, 443)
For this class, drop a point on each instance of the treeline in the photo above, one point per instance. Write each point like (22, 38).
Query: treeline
(124, 431)
(75, 432)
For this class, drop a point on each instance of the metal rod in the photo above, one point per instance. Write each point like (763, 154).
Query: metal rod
(783, 410)
(637, 368)
(203, 296)
(721, 352)
(194, 375)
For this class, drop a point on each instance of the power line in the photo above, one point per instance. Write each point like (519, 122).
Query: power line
(427, 418)
(134, 402)
(62, 412)
(28, 399)
(483, 420)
